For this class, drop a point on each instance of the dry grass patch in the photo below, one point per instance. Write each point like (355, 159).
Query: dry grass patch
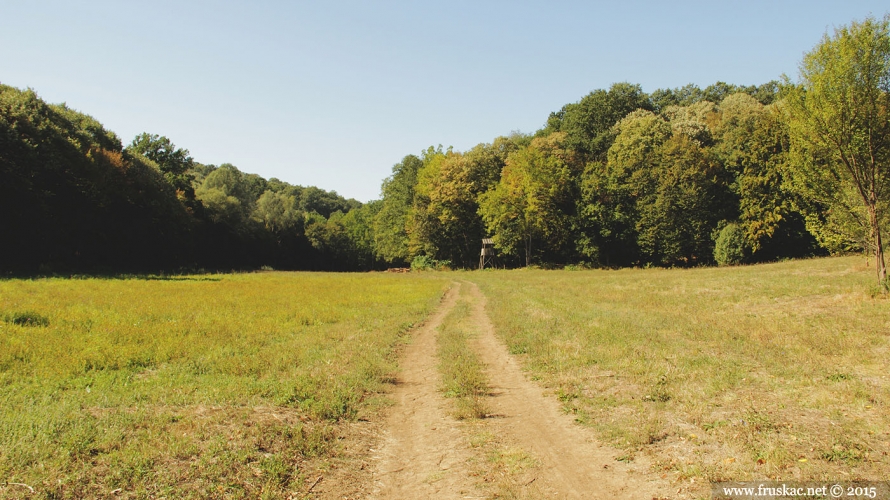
(504, 470)
(463, 373)
(770, 371)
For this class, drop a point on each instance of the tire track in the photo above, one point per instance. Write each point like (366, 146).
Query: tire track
(423, 454)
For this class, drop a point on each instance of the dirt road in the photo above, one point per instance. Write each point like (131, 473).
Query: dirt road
(425, 452)
(418, 450)
(422, 454)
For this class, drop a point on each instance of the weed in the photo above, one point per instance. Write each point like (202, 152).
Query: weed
(26, 318)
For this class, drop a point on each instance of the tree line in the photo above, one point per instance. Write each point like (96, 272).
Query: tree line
(75, 199)
(677, 177)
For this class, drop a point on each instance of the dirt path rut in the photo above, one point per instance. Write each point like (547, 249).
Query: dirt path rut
(572, 463)
(423, 453)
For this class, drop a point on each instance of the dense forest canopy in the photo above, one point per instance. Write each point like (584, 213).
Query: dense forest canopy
(74, 198)
(676, 177)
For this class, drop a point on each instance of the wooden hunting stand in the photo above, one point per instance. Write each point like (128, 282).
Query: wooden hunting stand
(487, 257)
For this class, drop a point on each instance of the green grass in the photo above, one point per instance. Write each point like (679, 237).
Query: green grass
(202, 386)
(463, 374)
(769, 371)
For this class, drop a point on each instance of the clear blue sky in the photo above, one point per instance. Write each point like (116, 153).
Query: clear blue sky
(333, 94)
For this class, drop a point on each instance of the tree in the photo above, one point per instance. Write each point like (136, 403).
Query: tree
(660, 195)
(588, 123)
(226, 195)
(277, 212)
(174, 162)
(752, 144)
(445, 222)
(397, 198)
(72, 200)
(839, 121)
(534, 202)
(683, 207)
(608, 211)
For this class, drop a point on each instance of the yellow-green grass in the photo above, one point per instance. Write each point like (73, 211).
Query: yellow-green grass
(768, 371)
(198, 386)
(463, 373)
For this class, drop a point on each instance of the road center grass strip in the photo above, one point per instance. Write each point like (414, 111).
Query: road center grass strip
(463, 374)
(769, 371)
(196, 386)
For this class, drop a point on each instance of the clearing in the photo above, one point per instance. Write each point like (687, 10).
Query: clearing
(516, 384)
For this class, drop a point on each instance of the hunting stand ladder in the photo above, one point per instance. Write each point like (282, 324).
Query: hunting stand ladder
(487, 257)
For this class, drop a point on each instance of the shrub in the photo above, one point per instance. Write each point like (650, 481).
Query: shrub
(730, 248)
(26, 318)
(427, 263)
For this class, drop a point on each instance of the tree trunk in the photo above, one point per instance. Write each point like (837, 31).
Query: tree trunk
(880, 265)
(528, 251)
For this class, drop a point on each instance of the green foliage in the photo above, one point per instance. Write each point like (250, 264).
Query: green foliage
(75, 200)
(691, 94)
(26, 318)
(533, 204)
(730, 247)
(692, 121)
(587, 124)
(839, 123)
(226, 195)
(608, 211)
(72, 198)
(618, 178)
(445, 221)
(278, 212)
(390, 223)
(751, 146)
(683, 205)
(173, 162)
(345, 241)
(426, 263)
(659, 196)
(324, 203)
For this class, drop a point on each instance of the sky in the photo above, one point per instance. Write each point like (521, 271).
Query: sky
(333, 94)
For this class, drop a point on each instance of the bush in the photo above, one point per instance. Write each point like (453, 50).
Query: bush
(427, 263)
(26, 318)
(730, 248)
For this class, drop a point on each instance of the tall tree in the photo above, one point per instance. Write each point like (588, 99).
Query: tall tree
(445, 222)
(534, 202)
(608, 206)
(391, 221)
(588, 123)
(839, 120)
(174, 162)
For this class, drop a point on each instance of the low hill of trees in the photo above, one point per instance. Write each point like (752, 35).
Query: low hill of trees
(74, 199)
(678, 177)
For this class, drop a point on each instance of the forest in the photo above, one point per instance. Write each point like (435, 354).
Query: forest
(680, 177)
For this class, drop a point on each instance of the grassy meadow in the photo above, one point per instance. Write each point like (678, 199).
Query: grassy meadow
(769, 371)
(203, 386)
(230, 385)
